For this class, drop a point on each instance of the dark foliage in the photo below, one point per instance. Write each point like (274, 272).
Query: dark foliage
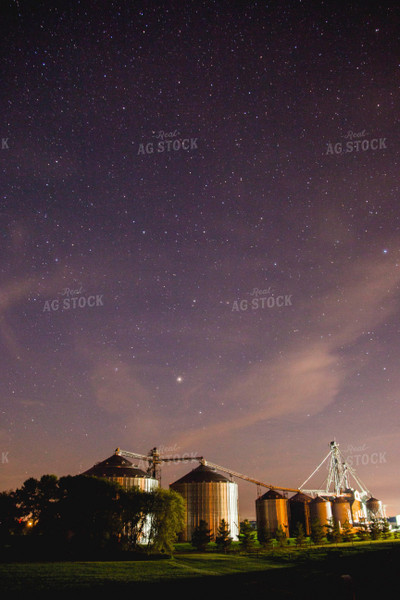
(201, 536)
(84, 516)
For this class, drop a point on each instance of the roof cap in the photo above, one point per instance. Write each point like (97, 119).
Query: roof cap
(272, 495)
(115, 466)
(202, 474)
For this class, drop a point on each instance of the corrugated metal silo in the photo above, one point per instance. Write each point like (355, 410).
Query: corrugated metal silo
(357, 511)
(209, 497)
(299, 512)
(321, 510)
(341, 510)
(374, 508)
(119, 469)
(272, 512)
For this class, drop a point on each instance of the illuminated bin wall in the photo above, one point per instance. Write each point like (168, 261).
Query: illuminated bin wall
(358, 509)
(210, 497)
(272, 512)
(321, 510)
(341, 510)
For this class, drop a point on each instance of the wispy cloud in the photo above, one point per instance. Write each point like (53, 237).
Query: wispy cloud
(306, 377)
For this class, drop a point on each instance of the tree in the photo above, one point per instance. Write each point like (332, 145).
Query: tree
(300, 535)
(280, 536)
(201, 536)
(167, 513)
(265, 538)
(385, 529)
(85, 513)
(375, 529)
(347, 532)
(10, 516)
(333, 532)
(80, 510)
(36, 499)
(223, 538)
(89, 512)
(362, 532)
(317, 532)
(246, 535)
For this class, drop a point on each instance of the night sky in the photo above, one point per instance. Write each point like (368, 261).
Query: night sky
(200, 245)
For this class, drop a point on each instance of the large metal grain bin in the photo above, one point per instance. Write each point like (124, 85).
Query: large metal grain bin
(271, 512)
(374, 508)
(209, 497)
(341, 510)
(357, 511)
(321, 510)
(299, 513)
(119, 469)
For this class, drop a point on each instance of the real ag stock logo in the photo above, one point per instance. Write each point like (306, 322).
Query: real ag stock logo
(262, 299)
(358, 455)
(168, 141)
(356, 142)
(71, 299)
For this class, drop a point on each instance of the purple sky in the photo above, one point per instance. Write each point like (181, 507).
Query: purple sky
(161, 161)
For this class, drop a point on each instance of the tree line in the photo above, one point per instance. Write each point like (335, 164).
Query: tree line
(202, 536)
(319, 534)
(331, 533)
(84, 513)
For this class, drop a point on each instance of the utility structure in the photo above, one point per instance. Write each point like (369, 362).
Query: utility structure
(339, 476)
(211, 496)
(345, 493)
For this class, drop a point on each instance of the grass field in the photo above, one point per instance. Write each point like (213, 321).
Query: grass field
(310, 573)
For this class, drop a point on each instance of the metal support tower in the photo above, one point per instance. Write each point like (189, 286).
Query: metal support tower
(338, 479)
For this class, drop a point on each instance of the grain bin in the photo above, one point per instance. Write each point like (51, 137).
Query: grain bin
(271, 512)
(119, 469)
(357, 511)
(341, 510)
(374, 509)
(209, 497)
(299, 513)
(321, 510)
